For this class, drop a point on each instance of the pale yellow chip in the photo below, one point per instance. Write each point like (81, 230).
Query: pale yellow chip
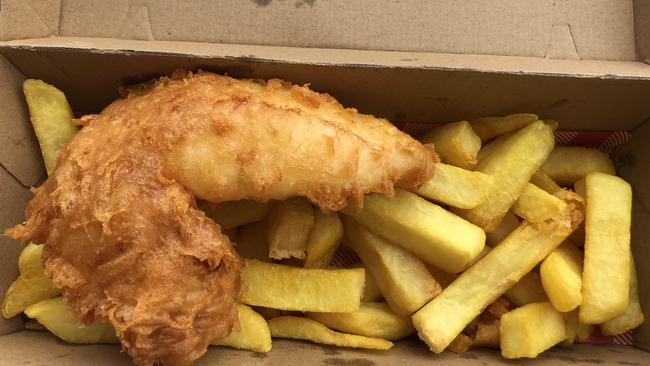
(371, 292)
(633, 316)
(456, 143)
(543, 181)
(302, 289)
(528, 290)
(460, 344)
(606, 274)
(457, 187)
(324, 239)
(290, 223)
(568, 164)
(254, 334)
(55, 315)
(444, 317)
(530, 330)
(235, 213)
(432, 233)
(51, 118)
(508, 224)
(31, 286)
(402, 278)
(372, 319)
(561, 274)
(512, 164)
(535, 204)
(490, 127)
(309, 330)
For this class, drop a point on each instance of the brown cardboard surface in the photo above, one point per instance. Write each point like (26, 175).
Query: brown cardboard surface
(29, 18)
(398, 86)
(642, 29)
(498, 27)
(632, 161)
(34, 348)
(19, 152)
(14, 198)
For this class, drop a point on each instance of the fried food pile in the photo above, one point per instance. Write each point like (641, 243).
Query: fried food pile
(123, 237)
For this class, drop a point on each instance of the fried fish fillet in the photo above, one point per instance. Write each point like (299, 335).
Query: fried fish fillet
(123, 237)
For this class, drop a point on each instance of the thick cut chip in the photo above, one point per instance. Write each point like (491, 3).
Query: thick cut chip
(371, 292)
(528, 290)
(31, 286)
(430, 232)
(444, 317)
(51, 117)
(633, 316)
(324, 238)
(530, 330)
(561, 274)
(402, 278)
(535, 204)
(55, 315)
(511, 165)
(235, 213)
(372, 319)
(310, 330)
(606, 274)
(457, 187)
(290, 223)
(543, 181)
(254, 333)
(568, 164)
(302, 289)
(251, 241)
(490, 127)
(456, 143)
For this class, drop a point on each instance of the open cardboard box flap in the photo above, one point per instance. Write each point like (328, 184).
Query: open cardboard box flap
(446, 62)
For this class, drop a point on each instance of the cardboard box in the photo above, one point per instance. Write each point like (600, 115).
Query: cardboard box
(577, 61)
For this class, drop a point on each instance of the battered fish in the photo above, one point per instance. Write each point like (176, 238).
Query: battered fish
(123, 237)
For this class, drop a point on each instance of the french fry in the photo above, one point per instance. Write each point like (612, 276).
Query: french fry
(561, 274)
(543, 181)
(457, 187)
(488, 128)
(31, 286)
(487, 335)
(402, 278)
(460, 344)
(508, 224)
(568, 164)
(553, 124)
(235, 213)
(456, 143)
(535, 205)
(372, 319)
(584, 331)
(302, 289)
(51, 118)
(324, 238)
(606, 274)
(290, 223)
(633, 316)
(55, 315)
(530, 330)
(306, 329)
(511, 165)
(251, 241)
(371, 292)
(430, 232)
(254, 334)
(571, 326)
(444, 317)
(528, 290)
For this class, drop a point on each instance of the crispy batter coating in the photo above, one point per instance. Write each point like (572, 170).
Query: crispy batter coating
(123, 236)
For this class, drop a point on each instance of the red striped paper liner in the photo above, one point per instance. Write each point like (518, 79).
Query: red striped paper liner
(604, 140)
